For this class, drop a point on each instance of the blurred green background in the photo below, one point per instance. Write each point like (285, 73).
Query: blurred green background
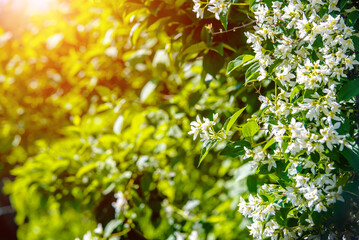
(96, 97)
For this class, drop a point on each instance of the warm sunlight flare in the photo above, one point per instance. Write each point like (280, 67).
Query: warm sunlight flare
(39, 5)
(29, 6)
(179, 119)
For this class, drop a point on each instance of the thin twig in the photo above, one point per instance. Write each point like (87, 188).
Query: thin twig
(250, 17)
(233, 29)
(258, 91)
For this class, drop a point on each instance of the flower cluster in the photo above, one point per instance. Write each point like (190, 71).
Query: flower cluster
(121, 203)
(307, 50)
(205, 129)
(217, 7)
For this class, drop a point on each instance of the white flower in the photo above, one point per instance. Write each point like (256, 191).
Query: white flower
(244, 208)
(301, 181)
(198, 9)
(350, 61)
(180, 236)
(330, 136)
(4, 38)
(256, 229)
(195, 127)
(320, 207)
(284, 75)
(98, 229)
(120, 204)
(261, 12)
(193, 236)
(54, 40)
(270, 227)
(111, 52)
(217, 7)
(312, 194)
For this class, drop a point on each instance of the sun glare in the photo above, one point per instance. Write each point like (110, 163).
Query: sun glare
(39, 5)
(30, 6)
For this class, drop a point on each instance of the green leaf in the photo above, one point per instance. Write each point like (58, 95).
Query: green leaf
(218, 48)
(349, 90)
(229, 47)
(104, 91)
(193, 98)
(252, 73)
(250, 128)
(147, 90)
(352, 18)
(251, 3)
(88, 167)
(356, 42)
(205, 150)
(205, 35)
(342, 4)
(315, 156)
(111, 226)
(279, 219)
(295, 91)
(265, 198)
(292, 222)
(224, 19)
(195, 48)
(303, 218)
(233, 119)
(217, 219)
(213, 62)
(238, 62)
(146, 181)
(268, 3)
(318, 43)
(243, 171)
(252, 183)
(268, 144)
(284, 212)
(317, 218)
(352, 155)
(281, 171)
(274, 65)
(235, 149)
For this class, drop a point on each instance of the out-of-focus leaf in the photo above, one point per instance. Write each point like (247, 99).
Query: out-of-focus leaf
(195, 48)
(147, 90)
(85, 169)
(213, 62)
(111, 226)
